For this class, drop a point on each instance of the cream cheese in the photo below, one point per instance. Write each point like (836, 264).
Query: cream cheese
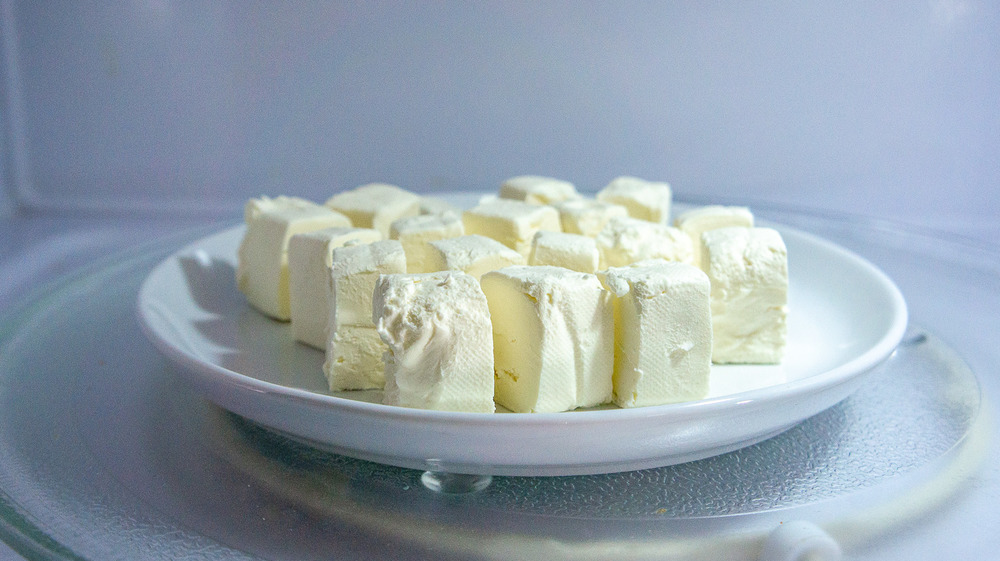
(587, 216)
(472, 254)
(310, 257)
(354, 271)
(748, 269)
(697, 220)
(645, 200)
(440, 347)
(624, 241)
(262, 259)
(538, 190)
(559, 249)
(416, 233)
(663, 332)
(512, 223)
(375, 205)
(553, 338)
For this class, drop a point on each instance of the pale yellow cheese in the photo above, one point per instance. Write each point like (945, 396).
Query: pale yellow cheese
(512, 223)
(375, 205)
(440, 350)
(587, 216)
(310, 257)
(353, 273)
(262, 259)
(472, 254)
(553, 338)
(663, 332)
(416, 233)
(702, 219)
(538, 190)
(748, 269)
(624, 241)
(645, 200)
(571, 251)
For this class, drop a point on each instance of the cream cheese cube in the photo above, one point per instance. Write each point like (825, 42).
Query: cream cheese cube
(416, 233)
(645, 200)
(538, 190)
(354, 359)
(553, 338)
(571, 251)
(375, 205)
(512, 223)
(624, 241)
(697, 220)
(663, 332)
(262, 265)
(748, 268)
(309, 260)
(587, 216)
(437, 329)
(472, 254)
(354, 271)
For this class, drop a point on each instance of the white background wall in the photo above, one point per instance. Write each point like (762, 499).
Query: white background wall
(874, 107)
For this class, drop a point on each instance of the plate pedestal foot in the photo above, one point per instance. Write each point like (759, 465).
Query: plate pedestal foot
(455, 483)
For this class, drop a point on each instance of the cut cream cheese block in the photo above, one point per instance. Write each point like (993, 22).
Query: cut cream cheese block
(553, 338)
(559, 249)
(587, 216)
(472, 254)
(697, 220)
(512, 223)
(437, 329)
(375, 205)
(624, 241)
(262, 260)
(350, 349)
(416, 233)
(645, 200)
(354, 359)
(538, 190)
(309, 261)
(748, 269)
(663, 332)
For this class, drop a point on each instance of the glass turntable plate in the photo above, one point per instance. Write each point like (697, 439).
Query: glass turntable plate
(108, 451)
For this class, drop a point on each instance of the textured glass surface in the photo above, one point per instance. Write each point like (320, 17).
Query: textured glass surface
(105, 454)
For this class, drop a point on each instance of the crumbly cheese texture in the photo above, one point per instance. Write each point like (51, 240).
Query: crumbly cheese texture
(262, 260)
(624, 241)
(472, 254)
(512, 223)
(702, 219)
(416, 233)
(645, 200)
(375, 205)
(571, 251)
(353, 357)
(748, 269)
(553, 338)
(587, 216)
(309, 260)
(538, 190)
(440, 347)
(663, 332)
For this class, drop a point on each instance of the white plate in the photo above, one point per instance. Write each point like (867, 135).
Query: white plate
(845, 317)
